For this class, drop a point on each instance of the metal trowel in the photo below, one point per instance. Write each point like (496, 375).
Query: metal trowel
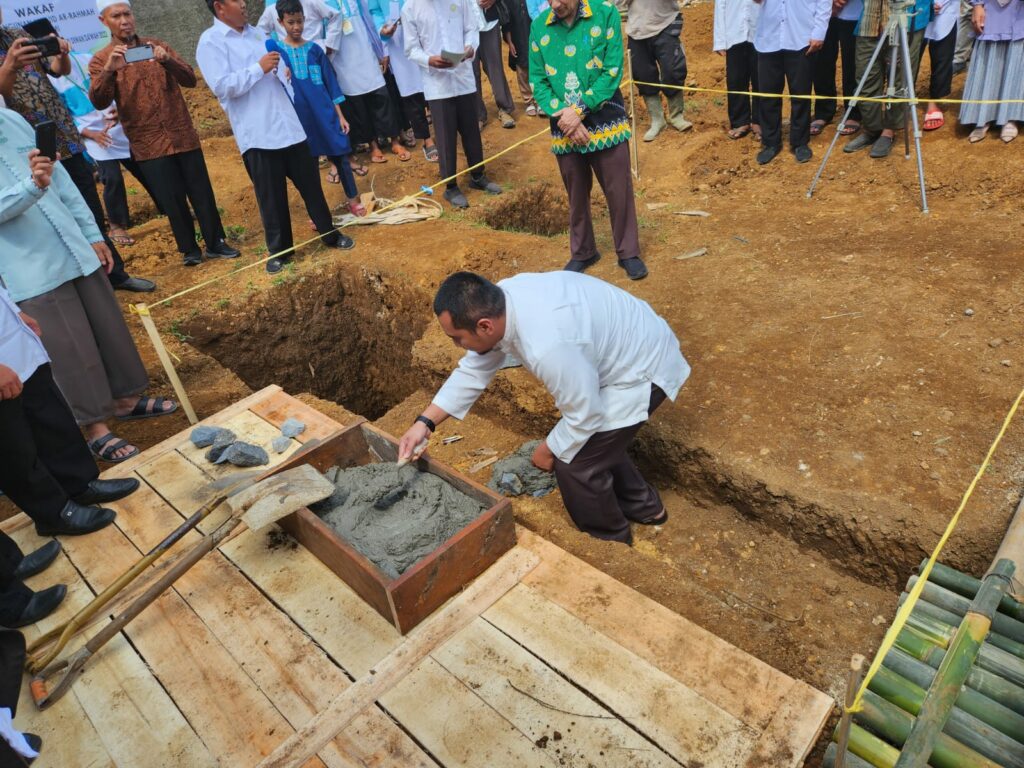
(399, 490)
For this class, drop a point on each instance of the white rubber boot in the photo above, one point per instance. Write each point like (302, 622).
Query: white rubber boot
(675, 113)
(657, 114)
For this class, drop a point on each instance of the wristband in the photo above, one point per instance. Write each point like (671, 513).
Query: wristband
(424, 420)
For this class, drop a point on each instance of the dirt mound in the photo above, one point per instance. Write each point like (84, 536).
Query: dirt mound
(539, 209)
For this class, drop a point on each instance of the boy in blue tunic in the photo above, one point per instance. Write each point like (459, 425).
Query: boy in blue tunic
(317, 97)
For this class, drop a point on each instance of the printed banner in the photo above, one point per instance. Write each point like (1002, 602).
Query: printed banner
(75, 20)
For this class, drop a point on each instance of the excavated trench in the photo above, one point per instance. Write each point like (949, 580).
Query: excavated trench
(348, 336)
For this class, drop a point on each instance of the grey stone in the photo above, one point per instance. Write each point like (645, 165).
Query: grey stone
(280, 444)
(528, 479)
(243, 455)
(202, 437)
(511, 484)
(292, 428)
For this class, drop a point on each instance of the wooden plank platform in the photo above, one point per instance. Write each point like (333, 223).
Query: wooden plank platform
(569, 668)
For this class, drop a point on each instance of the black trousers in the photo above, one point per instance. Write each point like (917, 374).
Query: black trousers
(115, 196)
(839, 41)
(940, 53)
(269, 170)
(456, 117)
(660, 59)
(43, 456)
(601, 487)
(773, 71)
(372, 116)
(12, 666)
(177, 181)
(741, 75)
(415, 108)
(82, 174)
(396, 100)
(14, 596)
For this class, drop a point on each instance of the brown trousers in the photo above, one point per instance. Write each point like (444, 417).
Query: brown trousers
(611, 166)
(601, 487)
(93, 355)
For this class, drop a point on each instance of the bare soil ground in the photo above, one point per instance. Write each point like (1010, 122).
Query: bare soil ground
(842, 394)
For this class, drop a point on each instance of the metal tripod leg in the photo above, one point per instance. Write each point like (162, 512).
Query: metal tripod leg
(908, 74)
(846, 115)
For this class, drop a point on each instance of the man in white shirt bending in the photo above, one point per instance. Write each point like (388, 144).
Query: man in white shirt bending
(249, 83)
(604, 355)
(451, 27)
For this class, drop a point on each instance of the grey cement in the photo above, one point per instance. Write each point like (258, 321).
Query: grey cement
(394, 516)
(516, 475)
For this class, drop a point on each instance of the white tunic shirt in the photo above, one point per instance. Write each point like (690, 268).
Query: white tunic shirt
(316, 12)
(851, 11)
(20, 349)
(432, 26)
(257, 104)
(790, 25)
(596, 348)
(735, 23)
(943, 21)
(355, 60)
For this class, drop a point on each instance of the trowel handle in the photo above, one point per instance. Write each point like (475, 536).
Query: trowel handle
(416, 453)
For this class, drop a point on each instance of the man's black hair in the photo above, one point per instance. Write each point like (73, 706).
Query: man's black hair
(468, 298)
(210, 4)
(288, 6)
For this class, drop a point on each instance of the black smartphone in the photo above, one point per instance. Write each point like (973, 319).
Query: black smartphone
(46, 138)
(48, 46)
(39, 28)
(138, 53)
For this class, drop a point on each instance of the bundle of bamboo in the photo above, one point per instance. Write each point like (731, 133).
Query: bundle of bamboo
(951, 691)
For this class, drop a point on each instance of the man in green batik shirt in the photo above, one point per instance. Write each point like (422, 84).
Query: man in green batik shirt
(575, 68)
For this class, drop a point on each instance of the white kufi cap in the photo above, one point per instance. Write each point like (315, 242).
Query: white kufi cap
(102, 5)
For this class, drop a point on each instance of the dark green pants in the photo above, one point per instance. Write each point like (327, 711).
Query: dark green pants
(874, 115)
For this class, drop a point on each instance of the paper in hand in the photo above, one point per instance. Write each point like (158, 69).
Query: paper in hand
(454, 58)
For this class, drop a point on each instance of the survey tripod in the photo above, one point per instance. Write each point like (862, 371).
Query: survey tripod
(895, 36)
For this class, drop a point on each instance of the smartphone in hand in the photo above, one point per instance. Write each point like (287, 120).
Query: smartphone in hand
(138, 53)
(46, 139)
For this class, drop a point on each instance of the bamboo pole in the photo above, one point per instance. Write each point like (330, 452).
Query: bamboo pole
(853, 678)
(1007, 626)
(965, 585)
(851, 760)
(894, 726)
(994, 683)
(634, 142)
(872, 749)
(165, 360)
(986, 709)
(953, 671)
(949, 622)
(1012, 547)
(965, 728)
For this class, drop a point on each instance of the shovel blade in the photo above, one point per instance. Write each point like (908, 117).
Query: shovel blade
(280, 495)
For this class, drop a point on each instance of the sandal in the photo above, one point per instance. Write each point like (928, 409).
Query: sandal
(379, 158)
(333, 177)
(356, 208)
(121, 237)
(430, 153)
(739, 133)
(659, 519)
(408, 139)
(359, 169)
(978, 134)
(104, 448)
(403, 155)
(933, 120)
(1009, 132)
(849, 128)
(817, 126)
(149, 408)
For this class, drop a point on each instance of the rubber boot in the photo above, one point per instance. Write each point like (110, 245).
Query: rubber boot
(657, 117)
(675, 113)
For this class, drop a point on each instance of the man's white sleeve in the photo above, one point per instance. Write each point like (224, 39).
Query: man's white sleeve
(413, 46)
(573, 381)
(467, 382)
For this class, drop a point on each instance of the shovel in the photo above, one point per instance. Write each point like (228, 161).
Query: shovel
(258, 506)
(40, 654)
(399, 490)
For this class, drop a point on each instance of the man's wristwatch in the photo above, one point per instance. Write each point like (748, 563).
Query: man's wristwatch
(424, 420)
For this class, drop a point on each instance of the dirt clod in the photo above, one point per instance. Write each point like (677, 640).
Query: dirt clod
(536, 208)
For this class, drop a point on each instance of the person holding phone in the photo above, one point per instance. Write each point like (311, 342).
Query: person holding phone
(144, 76)
(26, 88)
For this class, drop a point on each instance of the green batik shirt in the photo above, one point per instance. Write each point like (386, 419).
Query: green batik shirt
(580, 66)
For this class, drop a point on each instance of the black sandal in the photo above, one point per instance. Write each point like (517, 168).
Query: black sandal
(140, 411)
(104, 448)
(660, 519)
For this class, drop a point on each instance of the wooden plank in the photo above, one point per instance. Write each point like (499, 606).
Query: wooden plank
(737, 682)
(794, 730)
(458, 727)
(134, 717)
(295, 674)
(542, 704)
(687, 726)
(235, 720)
(387, 673)
(125, 468)
(281, 406)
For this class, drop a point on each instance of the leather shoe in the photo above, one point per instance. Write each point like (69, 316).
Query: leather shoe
(193, 259)
(222, 251)
(102, 491)
(802, 153)
(136, 285)
(581, 265)
(38, 561)
(635, 268)
(76, 520)
(767, 154)
(40, 605)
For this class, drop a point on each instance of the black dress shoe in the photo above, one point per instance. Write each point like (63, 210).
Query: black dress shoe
(581, 265)
(40, 605)
(767, 154)
(222, 251)
(193, 259)
(36, 742)
(136, 285)
(102, 491)
(635, 268)
(76, 520)
(38, 561)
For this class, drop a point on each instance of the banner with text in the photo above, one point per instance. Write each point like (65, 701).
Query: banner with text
(75, 20)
